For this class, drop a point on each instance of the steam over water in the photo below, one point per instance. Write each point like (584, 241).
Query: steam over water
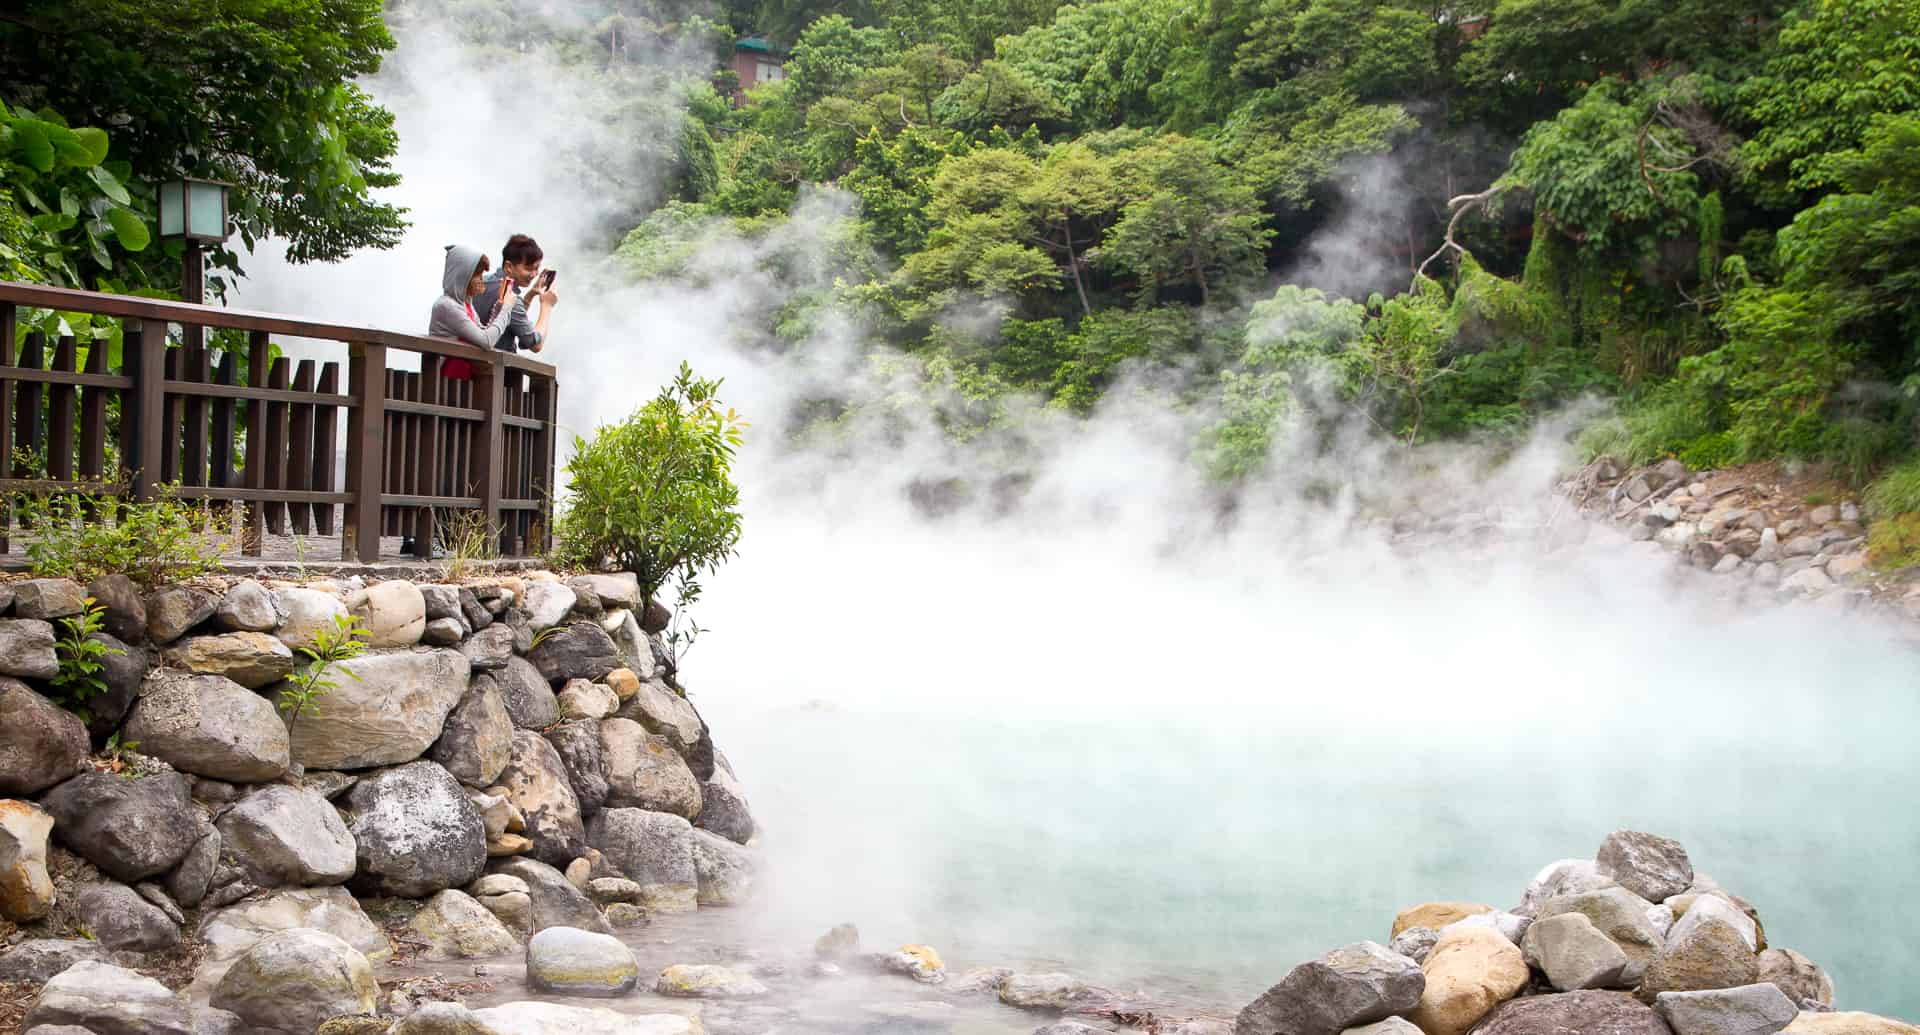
(1104, 727)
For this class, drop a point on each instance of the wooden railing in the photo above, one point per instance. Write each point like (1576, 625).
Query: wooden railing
(419, 446)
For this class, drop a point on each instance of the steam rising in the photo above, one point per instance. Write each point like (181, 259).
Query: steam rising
(1102, 716)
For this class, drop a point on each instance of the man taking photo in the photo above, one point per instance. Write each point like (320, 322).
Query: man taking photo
(520, 263)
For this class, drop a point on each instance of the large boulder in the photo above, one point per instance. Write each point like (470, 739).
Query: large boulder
(579, 747)
(455, 927)
(306, 613)
(1435, 915)
(172, 611)
(1848, 1022)
(415, 832)
(283, 835)
(708, 981)
(1565, 877)
(528, 695)
(123, 611)
(26, 889)
(48, 599)
(1348, 987)
(477, 741)
(1470, 971)
(724, 809)
(26, 649)
(661, 711)
(578, 651)
(489, 648)
(251, 659)
(645, 772)
(1748, 1010)
(190, 881)
(383, 709)
(41, 743)
(1620, 915)
(570, 961)
(247, 607)
(130, 829)
(123, 668)
(1713, 954)
(1652, 867)
(1799, 977)
(109, 1000)
(1712, 907)
(547, 604)
(654, 850)
(393, 613)
(1575, 1013)
(293, 980)
(231, 931)
(536, 783)
(38, 960)
(554, 899)
(620, 589)
(725, 870)
(210, 725)
(118, 918)
(1573, 954)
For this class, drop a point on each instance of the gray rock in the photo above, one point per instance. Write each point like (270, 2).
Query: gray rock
(477, 741)
(1711, 907)
(1748, 1010)
(489, 649)
(441, 601)
(1573, 953)
(393, 613)
(384, 709)
(130, 829)
(1511, 926)
(725, 870)
(1415, 943)
(1348, 987)
(514, 911)
(620, 589)
(37, 961)
(109, 1000)
(41, 743)
(842, 941)
(283, 835)
(555, 901)
(570, 961)
(247, 607)
(158, 896)
(26, 649)
(124, 669)
(580, 699)
(536, 1018)
(174, 610)
(1803, 546)
(48, 599)
(586, 602)
(578, 651)
(1621, 916)
(119, 918)
(293, 980)
(443, 632)
(661, 711)
(1799, 977)
(1808, 581)
(581, 755)
(547, 604)
(190, 881)
(327, 783)
(1711, 954)
(210, 726)
(608, 890)
(706, 981)
(123, 613)
(472, 611)
(528, 695)
(645, 772)
(655, 617)
(1050, 991)
(455, 927)
(415, 833)
(624, 630)
(1574, 1013)
(536, 783)
(306, 613)
(724, 809)
(233, 930)
(654, 850)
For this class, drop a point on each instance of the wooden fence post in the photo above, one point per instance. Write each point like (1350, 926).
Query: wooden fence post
(253, 532)
(366, 449)
(489, 397)
(149, 369)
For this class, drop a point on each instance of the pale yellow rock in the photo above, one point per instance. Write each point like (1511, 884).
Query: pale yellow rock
(1847, 564)
(624, 683)
(26, 890)
(508, 844)
(1470, 971)
(1435, 915)
(1850, 1022)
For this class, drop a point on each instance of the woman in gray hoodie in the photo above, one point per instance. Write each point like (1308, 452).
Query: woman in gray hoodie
(464, 279)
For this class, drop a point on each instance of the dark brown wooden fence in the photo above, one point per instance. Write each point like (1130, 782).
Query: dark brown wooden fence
(420, 448)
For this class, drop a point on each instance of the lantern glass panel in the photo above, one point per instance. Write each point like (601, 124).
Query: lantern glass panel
(206, 210)
(172, 209)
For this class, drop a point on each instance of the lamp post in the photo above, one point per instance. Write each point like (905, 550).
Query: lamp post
(195, 211)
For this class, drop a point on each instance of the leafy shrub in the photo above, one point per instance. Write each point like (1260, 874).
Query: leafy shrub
(79, 653)
(1711, 451)
(83, 535)
(652, 494)
(1894, 542)
(1897, 492)
(347, 639)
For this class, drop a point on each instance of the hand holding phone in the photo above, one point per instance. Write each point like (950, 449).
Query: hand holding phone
(546, 280)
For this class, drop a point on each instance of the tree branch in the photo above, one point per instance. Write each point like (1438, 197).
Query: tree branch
(1460, 206)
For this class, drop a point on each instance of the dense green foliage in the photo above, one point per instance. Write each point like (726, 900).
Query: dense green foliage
(653, 494)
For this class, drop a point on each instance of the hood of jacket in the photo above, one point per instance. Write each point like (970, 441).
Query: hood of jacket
(461, 262)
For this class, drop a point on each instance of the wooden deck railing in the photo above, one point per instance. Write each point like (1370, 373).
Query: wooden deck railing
(418, 445)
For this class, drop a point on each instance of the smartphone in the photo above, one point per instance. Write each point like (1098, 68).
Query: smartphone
(546, 280)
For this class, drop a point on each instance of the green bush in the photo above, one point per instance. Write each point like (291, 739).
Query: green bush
(84, 535)
(1897, 492)
(653, 494)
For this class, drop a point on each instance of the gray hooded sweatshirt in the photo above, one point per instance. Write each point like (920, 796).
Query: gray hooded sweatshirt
(451, 317)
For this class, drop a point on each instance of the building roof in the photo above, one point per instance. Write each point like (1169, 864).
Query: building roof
(755, 43)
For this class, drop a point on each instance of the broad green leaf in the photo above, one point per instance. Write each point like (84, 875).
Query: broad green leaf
(109, 185)
(129, 229)
(94, 139)
(34, 145)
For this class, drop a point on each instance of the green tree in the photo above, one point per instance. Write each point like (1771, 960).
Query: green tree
(1191, 220)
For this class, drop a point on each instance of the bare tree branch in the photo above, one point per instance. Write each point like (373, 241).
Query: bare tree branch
(1460, 206)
